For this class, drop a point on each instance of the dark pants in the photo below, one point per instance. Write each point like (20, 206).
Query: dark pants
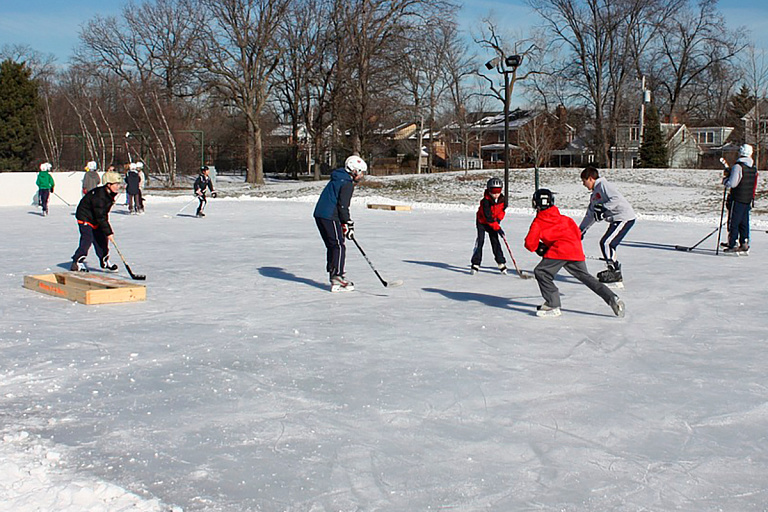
(336, 250)
(493, 236)
(738, 223)
(612, 238)
(547, 269)
(203, 202)
(43, 195)
(90, 236)
(135, 202)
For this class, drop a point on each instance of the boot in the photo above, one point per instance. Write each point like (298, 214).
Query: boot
(107, 266)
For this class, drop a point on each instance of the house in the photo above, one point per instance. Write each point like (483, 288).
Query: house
(756, 130)
(532, 136)
(713, 143)
(682, 147)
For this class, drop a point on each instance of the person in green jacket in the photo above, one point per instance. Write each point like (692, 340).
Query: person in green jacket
(44, 185)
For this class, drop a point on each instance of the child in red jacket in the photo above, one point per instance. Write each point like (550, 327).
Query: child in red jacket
(489, 215)
(557, 239)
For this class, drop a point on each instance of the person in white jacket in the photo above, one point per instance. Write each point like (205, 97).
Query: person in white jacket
(741, 181)
(606, 203)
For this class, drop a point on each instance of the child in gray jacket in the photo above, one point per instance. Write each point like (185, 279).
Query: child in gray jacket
(606, 203)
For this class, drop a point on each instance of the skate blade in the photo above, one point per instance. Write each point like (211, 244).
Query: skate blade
(615, 286)
(342, 289)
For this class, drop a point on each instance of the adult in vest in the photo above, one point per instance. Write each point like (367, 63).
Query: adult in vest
(741, 181)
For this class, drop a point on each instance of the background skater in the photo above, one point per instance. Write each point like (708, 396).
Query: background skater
(557, 239)
(489, 215)
(742, 183)
(45, 185)
(202, 183)
(333, 219)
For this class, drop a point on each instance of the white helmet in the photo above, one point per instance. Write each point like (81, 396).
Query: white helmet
(92, 166)
(132, 166)
(745, 150)
(355, 165)
(46, 166)
(139, 165)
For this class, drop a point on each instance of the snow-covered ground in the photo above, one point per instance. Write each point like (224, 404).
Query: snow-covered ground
(242, 384)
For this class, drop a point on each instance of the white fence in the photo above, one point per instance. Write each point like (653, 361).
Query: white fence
(19, 189)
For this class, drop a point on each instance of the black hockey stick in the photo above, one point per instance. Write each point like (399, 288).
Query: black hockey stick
(684, 248)
(717, 230)
(720, 227)
(517, 269)
(385, 283)
(137, 277)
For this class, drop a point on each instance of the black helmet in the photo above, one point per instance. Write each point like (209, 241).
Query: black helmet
(494, 183)
(204, 168)
(543, 199)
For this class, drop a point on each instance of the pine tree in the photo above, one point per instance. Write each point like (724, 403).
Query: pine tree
(18, 104)
(738, 105)
(653, 150)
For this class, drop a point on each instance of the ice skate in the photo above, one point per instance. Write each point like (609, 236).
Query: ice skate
(474, 269)
(547, 311)
(340, 284)
(617, 305)
(107, 266)
(611, 278)
(78, 265)
(502, 268)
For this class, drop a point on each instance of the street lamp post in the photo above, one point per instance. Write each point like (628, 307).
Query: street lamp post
(506, 65)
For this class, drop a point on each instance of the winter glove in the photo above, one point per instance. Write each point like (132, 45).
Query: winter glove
(500, 232)
(541, 249)
(599, 212)
(51, 190)
(349, 230)
(213, 194)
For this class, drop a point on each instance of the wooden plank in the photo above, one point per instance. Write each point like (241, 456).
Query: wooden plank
(86, 289)
(394, 207)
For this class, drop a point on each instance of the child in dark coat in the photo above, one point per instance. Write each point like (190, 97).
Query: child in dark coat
(489, 215)
(557, 239)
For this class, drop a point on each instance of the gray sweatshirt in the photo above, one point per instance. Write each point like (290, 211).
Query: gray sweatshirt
(733, 180)
(617, 209)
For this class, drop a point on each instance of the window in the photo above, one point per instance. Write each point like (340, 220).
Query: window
(634, 133)
(706, 137)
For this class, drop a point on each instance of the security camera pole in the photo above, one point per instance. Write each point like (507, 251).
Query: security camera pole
(506, 65)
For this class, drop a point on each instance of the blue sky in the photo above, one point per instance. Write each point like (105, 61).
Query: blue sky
(52, 26)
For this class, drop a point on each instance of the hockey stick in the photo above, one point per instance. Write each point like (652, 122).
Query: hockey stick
(688, 249)
(62, 199)
(385, 283)
(517, 269)
(186, 205)
(720, 227)
(137, 277)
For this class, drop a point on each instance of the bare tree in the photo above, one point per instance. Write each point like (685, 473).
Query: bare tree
(691, 42)
(601, 39)
(459, 67)
(755, 65)
(240, 53)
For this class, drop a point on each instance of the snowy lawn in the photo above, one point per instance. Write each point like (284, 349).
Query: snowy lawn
(242, 384)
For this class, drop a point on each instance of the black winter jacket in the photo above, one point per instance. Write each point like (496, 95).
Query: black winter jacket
(94, 207)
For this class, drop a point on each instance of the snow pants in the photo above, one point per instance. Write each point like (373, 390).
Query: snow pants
(738, 223)
(91, 236)
(203, 202)
(547, 269)
(336, 249)
(493, 236)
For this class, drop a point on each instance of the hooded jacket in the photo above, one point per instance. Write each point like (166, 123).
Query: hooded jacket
(44, 180)
(94, 207)
(491, 212)
(334, 201)
(558, 232)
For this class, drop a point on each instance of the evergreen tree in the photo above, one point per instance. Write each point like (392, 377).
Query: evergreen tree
(18, 104)
(738, 105)
(653, 150)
